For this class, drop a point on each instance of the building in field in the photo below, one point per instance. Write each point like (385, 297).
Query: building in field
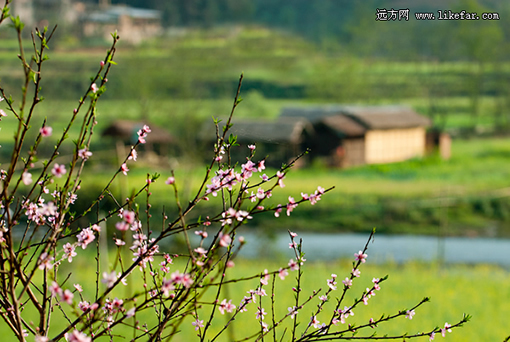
(90, 19)
(133, 25)
(356, 135)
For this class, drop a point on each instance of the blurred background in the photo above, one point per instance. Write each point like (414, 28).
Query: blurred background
(408, 119)
(179, 63)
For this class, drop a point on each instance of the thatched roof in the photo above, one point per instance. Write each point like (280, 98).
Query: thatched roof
(282, 130)
(386, 117)
(344, 125)
(312, 114)
(370, 117)
(126, 131)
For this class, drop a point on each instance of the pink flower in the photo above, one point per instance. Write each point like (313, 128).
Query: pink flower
(293, 265)
(101, 63)
(109, 278)
(410, 314)
(45, 261)
(26, 178)
(360, 256)
(332, 282)
(2, 114)
(372, 325)
(261, 165)
(69, 251)
(291, 205)
(84, 154)
(78, 287)
(251, 147)
(166, 287)
(265, 279)
(170, 180)
(77, 336)
(432, 336)
(84, 306)
(278, 210)
(142, 134)
(225, 240)
(198, 324)
(85, 237)
(119, 242)
(200, 250)
(58, 170)
(282, 273)
(124, 169)
(281, 176)
(376, 283)
(131, 312)
(55, 289)
(129, 216)
(260, 313)
(347, 282)
(226, 306)
(67, 297)
(445, 329)
(315, 322)
(46, 131)
(292, 312)
(94, 88)
(133, 155)
(356, 272)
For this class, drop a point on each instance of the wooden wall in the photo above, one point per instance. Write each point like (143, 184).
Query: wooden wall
(393, 145)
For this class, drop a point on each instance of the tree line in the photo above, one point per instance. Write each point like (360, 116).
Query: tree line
(351, 27)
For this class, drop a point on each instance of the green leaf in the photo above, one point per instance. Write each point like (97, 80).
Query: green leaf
(5, 12)
(16, 23)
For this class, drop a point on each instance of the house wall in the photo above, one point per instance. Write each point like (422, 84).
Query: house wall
(393, 145)
(354, 150)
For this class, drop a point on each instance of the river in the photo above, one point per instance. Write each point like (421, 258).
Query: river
(383, 248)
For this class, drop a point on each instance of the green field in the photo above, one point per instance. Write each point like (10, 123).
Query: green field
(455, 289)
(460, 195)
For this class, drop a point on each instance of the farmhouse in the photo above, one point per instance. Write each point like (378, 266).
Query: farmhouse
(132, 24)
(355, 135)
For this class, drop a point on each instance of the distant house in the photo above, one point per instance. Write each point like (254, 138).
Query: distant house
(133, 25)
(124, 132)
(91, 19)
(281, 140)
(355, 135)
